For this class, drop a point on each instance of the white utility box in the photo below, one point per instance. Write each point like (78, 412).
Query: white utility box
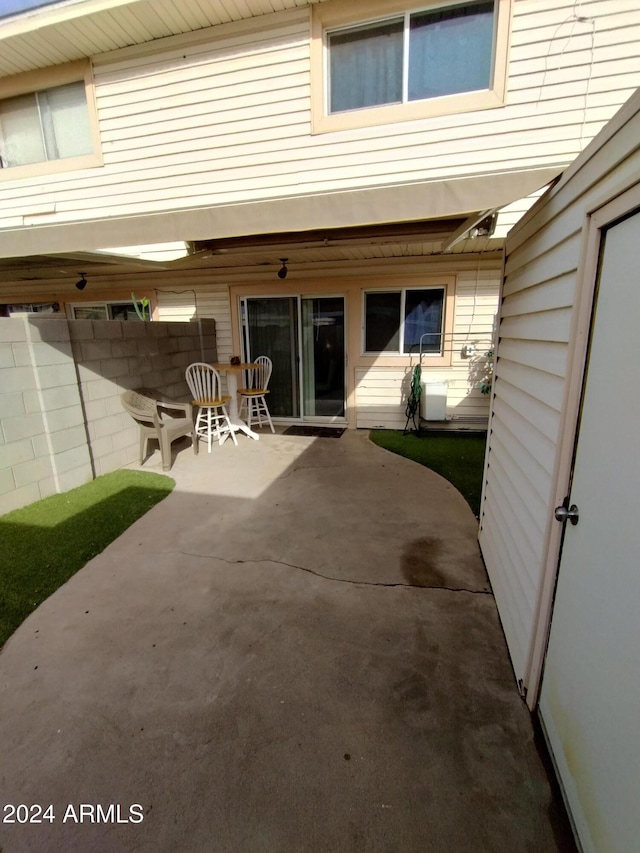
(433, 401)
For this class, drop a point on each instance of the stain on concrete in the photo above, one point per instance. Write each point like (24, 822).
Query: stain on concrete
(420, 562)
(432, 562)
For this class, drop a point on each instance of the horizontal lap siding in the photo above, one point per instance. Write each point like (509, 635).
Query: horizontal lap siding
(223, 116)
(474, 324)
(526, 412)
(542, 255)
(381, 397)
(192, 296)
(381, 392)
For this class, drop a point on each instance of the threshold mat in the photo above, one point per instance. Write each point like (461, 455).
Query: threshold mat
(314, 431)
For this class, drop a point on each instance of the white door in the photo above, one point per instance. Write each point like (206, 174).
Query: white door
(590, 696)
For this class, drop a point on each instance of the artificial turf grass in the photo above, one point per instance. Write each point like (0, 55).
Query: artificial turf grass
(458, 457)
(47, 542)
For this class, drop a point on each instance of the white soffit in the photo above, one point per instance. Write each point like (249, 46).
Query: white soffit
(340, 209)
(75, 29)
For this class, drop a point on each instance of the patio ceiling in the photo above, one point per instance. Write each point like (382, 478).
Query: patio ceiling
(75, 29)
(318, 247)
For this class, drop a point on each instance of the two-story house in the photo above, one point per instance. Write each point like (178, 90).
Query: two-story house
(330, 180)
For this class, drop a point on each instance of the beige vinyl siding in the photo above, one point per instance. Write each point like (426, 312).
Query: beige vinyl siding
(381, 397)
(381, 392)
(192, 296)
(512, 213)
(536, 316)
(476, 307)
(207, 300)
(222, 116)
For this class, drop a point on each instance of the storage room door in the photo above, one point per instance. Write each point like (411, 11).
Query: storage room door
(590, 696)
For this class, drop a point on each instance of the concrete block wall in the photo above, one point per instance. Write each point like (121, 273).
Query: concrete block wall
(61, 421)
(43, 442)
(113, 356)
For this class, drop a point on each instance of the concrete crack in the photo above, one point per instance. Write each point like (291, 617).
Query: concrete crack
(334, 579)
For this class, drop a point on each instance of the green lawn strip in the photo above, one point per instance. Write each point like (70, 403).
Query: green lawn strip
(457, 457)
(44, 544)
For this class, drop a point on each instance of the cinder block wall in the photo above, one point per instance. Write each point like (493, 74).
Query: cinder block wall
(61, 422)
(43, 446)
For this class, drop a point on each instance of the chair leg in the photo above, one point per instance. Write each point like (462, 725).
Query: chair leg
(143, 445)
(268, 415)
(209, 430)
(165, 450)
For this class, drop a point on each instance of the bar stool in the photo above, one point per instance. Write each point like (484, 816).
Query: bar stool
(255, 396)
(212, 417)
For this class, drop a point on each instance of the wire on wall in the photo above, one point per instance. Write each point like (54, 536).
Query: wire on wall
(574, 18)
(178, 293)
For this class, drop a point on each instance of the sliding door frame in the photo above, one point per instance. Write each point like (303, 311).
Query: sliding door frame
(241, 293)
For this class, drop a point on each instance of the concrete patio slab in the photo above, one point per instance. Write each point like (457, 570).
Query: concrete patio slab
(297, 650)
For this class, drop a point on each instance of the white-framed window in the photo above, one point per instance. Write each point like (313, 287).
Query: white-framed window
(48, 122)
(30, 308)
(105, 311)
(49, 125)
(421, 54)
(398, 62)
(405, 321)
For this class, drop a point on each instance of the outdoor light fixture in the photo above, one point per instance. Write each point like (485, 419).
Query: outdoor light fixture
(282, 272)
(83, 281)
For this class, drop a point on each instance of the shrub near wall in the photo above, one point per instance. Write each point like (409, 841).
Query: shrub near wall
(61, 422)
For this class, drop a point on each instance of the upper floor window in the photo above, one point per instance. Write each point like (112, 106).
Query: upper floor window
(401, 64)
(420, 55)
(47, 128)
(48, 125)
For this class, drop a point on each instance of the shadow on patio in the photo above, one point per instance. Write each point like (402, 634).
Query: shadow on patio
(297, 650)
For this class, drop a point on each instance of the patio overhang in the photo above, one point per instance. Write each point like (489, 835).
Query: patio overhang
(450, 198)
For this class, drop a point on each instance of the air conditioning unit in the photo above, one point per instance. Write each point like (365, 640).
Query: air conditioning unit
(433, 401)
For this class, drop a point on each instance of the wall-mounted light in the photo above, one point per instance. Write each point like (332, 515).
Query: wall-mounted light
(282, 272)
(83, 281)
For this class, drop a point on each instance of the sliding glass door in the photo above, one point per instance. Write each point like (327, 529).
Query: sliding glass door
(271, 328)
(304, 338)
(323, 357)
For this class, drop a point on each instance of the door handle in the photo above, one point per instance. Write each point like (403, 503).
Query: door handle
(562, 514)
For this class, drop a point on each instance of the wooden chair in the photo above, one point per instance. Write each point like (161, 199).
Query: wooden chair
(212, 418)
(254, 397)
(150, 410)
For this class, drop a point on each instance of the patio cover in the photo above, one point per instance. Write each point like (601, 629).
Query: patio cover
(373, 206)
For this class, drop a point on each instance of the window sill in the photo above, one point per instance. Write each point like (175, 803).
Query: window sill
(415, 110)
(400, 360)
(50, 167)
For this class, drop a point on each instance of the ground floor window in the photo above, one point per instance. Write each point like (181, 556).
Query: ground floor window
(404, 321)
(107, 311)
(29, 308)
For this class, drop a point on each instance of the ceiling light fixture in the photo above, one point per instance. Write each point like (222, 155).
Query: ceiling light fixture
(282, 272)
(83, 281)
